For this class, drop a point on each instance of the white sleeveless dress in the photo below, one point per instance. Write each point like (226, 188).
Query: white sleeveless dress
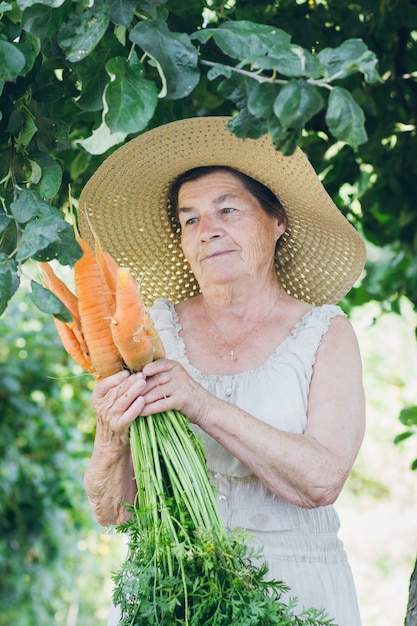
(301, 546)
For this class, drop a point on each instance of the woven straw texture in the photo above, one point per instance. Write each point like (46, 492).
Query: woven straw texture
(125, 203)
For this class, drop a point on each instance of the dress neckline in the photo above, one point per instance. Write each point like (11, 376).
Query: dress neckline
(197, 373)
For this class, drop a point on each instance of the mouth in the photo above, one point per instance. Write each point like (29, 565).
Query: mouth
(216, 254)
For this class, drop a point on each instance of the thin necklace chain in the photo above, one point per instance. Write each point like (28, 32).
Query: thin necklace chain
(232, 351)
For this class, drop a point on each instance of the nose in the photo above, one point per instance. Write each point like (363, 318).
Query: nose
(209, 228)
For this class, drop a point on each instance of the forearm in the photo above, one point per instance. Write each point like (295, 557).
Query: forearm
(109, 481)
(295, 467)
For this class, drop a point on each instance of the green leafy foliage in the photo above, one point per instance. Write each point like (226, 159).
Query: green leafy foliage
(408, 417)
(128, 83)
(345, 118)
(44, 446)
(224, 586)
(47, 302)
(79, 78)
(174, 54)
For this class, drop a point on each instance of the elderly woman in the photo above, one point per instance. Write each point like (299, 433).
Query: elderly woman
(242, 255)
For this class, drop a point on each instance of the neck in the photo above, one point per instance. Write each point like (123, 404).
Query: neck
(235, 320)
(240, 302)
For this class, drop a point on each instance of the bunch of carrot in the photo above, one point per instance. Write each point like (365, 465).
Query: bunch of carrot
(182, 568)
(110, 327)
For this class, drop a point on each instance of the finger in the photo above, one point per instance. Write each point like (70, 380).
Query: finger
(158, 366)
(157, 406)
(135, 410)
(108, 383)
(124, 394)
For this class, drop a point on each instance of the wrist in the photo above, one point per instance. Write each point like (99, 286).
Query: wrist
(207, 412)
(110, 440)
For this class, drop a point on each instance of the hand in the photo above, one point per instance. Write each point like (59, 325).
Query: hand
(117, 400)
(169, 386)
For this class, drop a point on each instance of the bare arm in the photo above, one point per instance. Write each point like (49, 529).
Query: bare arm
(308, 470)
(109, 479)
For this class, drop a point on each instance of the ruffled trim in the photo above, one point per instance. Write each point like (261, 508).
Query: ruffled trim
(301, 338)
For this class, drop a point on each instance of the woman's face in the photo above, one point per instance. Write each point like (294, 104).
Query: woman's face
(225, 233)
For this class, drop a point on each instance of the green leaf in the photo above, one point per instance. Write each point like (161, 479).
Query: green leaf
(288, 60)
(408, 416)
(51, 178)
(43, 21)
(38, 235)
(242, 39)
(345, 118)
(35, 174)
(403, 436)
(122, 11)
(27, 47)
(246, 125)
(46, 234)
(131, 99)
(30, 205)
(5, 7)
(219, 70)
(102, 139)
(350, 57)
(82, 32)
(46, 87)
(79, 164)
(296, 103)
(53, 133)
(64, 248)
(176, 56)
(9, 238)
(284, 140)
(261, 100)
(24, 4)
(4, 221)
(47, 302)
(5, 282)
(9, 280)
(238, 88)
(277, 132)
(92, 74)
(15, 123)
(151, 8)
(12, 61)
(27, 131)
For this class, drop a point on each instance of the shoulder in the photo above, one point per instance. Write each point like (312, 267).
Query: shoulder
(339, 342)
(328, 319)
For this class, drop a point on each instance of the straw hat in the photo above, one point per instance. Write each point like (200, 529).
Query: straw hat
(319, 258)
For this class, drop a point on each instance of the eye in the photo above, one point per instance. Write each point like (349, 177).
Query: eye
(191, 221)
(228, 209)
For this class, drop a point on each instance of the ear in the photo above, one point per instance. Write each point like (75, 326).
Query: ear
(280, 228)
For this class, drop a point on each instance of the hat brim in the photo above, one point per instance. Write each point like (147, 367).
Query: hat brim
(124, 203)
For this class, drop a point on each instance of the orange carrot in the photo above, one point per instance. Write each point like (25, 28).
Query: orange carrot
(75, 326)
(95, 314)
(110, 327)
(127, 328)
(59, 289)
(71, 345)
(108, 271)
(68, 299)
(156, 343)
